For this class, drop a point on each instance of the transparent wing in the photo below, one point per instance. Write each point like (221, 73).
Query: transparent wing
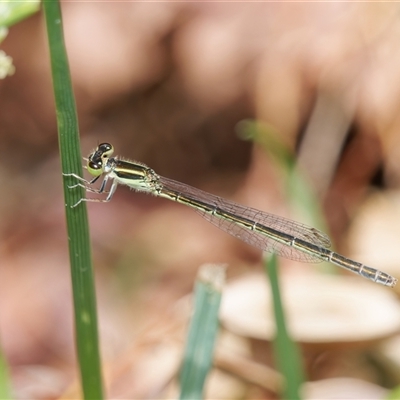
(253, 237)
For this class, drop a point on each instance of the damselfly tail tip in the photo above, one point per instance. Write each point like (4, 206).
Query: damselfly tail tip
(392, 282)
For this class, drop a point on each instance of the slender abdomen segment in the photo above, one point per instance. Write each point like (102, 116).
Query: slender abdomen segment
(288, 241)
(344, 262)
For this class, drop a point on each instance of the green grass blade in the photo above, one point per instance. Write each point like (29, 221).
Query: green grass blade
(394, 394)
(5, 386)
(203, 331)
(12, 11)
(287, 354)
(77, 223)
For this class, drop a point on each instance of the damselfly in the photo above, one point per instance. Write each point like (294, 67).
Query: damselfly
(268, 232)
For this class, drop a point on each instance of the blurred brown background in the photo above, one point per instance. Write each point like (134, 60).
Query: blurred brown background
(167, 84)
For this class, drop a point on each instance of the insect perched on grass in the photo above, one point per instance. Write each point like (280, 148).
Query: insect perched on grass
(268, 232)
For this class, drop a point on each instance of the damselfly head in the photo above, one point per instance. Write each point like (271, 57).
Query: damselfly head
(98, 159)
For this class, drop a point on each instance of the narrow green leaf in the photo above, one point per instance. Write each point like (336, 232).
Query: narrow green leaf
(203, 331)
(77, 223)
(12, 11)
(394, 394)
(5, 386)
(287, 354)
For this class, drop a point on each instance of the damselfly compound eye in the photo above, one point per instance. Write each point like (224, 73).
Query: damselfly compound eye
(95, 167)
(106, 149)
